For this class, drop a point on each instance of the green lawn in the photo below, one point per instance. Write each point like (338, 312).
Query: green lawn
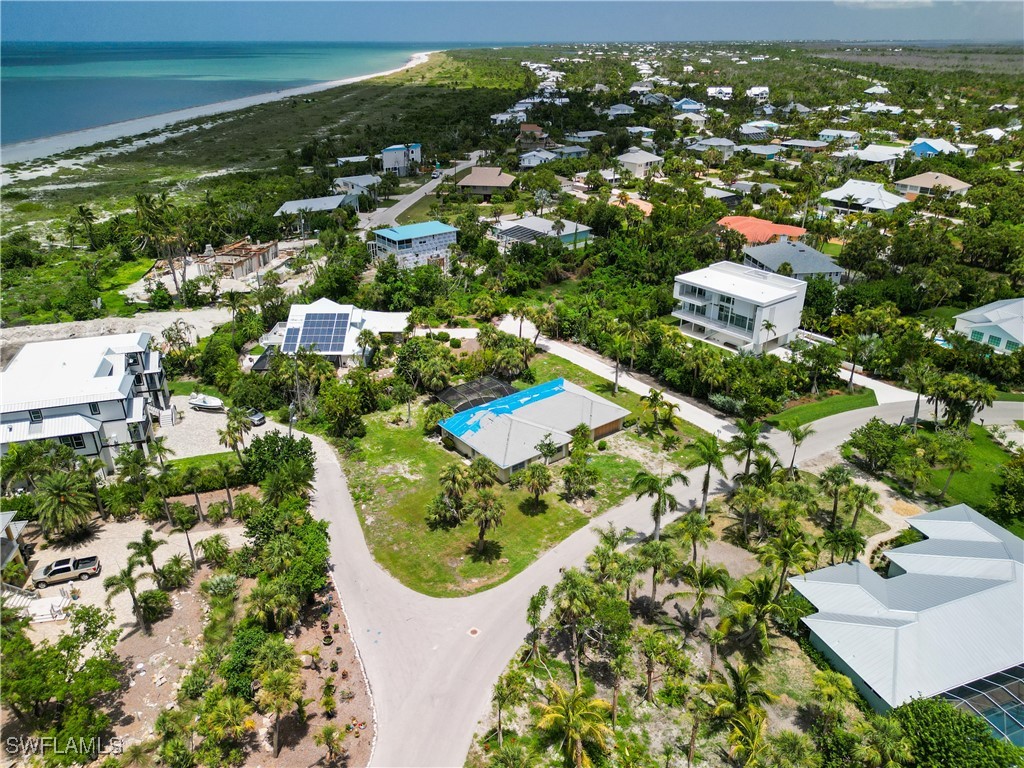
(185, 387)
(832, 249)
(1012, 397)
(945, 313)
(206, 461)
(974, 487)
(395, 476)
(418, 211)
(128, 274)
(829, 406)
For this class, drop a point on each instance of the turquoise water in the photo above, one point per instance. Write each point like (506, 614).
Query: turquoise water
(52, 88)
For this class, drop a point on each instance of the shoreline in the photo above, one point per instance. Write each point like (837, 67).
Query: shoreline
(40, 149)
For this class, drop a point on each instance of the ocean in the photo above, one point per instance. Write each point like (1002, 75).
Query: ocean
(52, 88)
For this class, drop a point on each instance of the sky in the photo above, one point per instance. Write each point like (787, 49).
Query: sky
(498, 21)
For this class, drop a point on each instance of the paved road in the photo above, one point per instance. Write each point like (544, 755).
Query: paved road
(430, 672)
(385, 217)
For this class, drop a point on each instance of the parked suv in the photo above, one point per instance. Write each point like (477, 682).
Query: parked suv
(83, 568)
(255, 417)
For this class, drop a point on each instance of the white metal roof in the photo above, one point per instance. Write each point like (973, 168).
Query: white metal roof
(47, 374)
(358, 319)
(23, 429)
(745, 283)
(954, 615)
(867, 194)
(1007, 314)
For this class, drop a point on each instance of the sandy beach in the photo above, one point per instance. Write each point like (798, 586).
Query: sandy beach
(42, 148)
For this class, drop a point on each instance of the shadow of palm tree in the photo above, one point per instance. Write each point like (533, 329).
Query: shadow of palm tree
(487, 552)
(532, 507)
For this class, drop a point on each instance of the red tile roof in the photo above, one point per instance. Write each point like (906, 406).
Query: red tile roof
(758, 230)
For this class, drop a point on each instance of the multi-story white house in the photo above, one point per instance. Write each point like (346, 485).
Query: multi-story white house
(1000, 325)
(640, 162)
(401, 159)
(92, 394)
(415, 244)
(759, 94)
(739, 306)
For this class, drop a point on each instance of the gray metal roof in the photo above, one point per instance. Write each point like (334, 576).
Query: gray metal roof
(802, 258)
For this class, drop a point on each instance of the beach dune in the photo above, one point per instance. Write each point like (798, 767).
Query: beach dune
(51, 145)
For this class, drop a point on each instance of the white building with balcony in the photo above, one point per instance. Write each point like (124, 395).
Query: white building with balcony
(739, 306)
(92, 394)
(415, 244)
(401, 159)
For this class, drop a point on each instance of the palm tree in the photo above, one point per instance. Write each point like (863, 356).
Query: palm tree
(229, 719)
(535, 617)
(272, 605)
(702, 580)
(93, 469)
(64, 503)
(488, 512)
(190, 479)
(745, 501)
(88, 218)
(509, 692)
(747, 443)
(749, 606)
(224, 468)
(138, 755)
(881, 743)
(292, 478)
(331, 738)
(645, 483)
(22, 463)
(159, 450)
(126, 580)
(537, 480)
(618, 348)
(832, 690)
(578, 719)
(659, 557)
(513, 755)
(652, 401)
(856, 345)
(797, 435)
(483, 473)
(455, 483)
(918, 375)
(695, 527)
(574, 599)
(215, 548)
(231, 439)
(367, 341)
(279, 554)
(739, 691)
(235, 301)
(835, 481)
(956, 457)
(145, 548)
(279, 694)
(861, 498)
(746, 739)
(788, 552)
(706, 451)
(240, 423)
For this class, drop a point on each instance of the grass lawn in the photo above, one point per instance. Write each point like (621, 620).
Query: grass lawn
(418, 211)
(945, 313)
(186, 387)
(128, 274)
(832, 249)
(395, 476)
(1012, 397)
(829, 406)
(259, 349)
(207, 461)
(974, 487)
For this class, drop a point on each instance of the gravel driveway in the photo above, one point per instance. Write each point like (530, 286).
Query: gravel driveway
(195, 434)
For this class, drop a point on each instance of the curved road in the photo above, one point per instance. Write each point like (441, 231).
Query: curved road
(431, 662)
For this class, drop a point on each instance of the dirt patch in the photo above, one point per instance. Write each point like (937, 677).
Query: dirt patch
(904, 508)
(627, 445)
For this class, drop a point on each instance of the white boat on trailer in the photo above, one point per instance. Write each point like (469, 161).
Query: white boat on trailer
(200, 402)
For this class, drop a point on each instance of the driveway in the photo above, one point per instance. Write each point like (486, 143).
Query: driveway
(195, 434)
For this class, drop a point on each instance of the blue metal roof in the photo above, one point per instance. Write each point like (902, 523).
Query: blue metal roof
(400, 147)
(412, 231)
(468, 422)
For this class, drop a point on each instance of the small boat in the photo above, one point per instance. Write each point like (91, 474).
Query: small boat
(201, 402)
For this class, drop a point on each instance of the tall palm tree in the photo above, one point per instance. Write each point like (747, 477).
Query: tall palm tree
(787, 552)
(224, 469)
(618, 348)
(145, 548)
(487, 512)
(64, 503)
(706, 451)
(862, 498)
(660, 558)
(695, 527)
(22, 463)
(455, 483)
(645, 483)
(279, 693)
(235, 301)
(126, 580)
(749, 607)
(240, 423)
(509, 692)
(747, 443)
(578, 719)
(746, 501)
(702, 579)
(918, 375)
(573, 600)
(94, 469)
(159, 450)
(797, 434)
(652, 403)
(835, 481)
(190, 479)
(740, 690)
(88, 218)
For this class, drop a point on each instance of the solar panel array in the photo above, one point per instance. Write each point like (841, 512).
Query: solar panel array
(325, 332)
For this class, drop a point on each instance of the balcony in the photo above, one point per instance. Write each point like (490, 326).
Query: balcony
(715, 326)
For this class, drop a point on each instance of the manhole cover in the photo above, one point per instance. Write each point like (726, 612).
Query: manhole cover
(474, 632)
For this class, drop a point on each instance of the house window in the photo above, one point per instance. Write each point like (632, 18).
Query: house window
(140, 380)
(977, 336)
(73, 441)
(726, 300)
(94, 409)
(995, 341)
(35, 416)
(1012, 346)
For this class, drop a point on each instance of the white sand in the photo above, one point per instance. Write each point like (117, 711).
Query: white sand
(51, 145)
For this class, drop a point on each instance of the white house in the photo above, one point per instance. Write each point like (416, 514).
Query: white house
(415, 244)
(857, 195)
(91, 394)
(999, 325)
(836, 134)
(723, 92)
(619, 110)
(876, 90)
(528, 229)
(332, 330)
(359, 185)
(726, 146)
(759, 94)
(875, 154)
(512, 116)
(535, 158)
(739, 306)
(640, 163)
(584, 137)
(695, 118)
(401, 159)
(878, 108)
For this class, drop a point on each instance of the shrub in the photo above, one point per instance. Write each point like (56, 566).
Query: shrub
(236, 668)
(176, 573)
(455, 343)
(155, 604)
(245, 562)
(942, 736)
(267, 452)
(221, 585)
(183, 515)
(442, 336)
(216, 512)
(195, 683)
(602, 445)
(726, 404)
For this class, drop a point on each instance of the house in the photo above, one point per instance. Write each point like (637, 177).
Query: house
(805, 145)
(747, 132)
(688, 106)
(332, 330)
(512, 116)
(925, 183)
(739, 306)
(619, 110)
(92, 394)
(357, 185)
(1002, 108)
(528, 229)
(644, 206)
(767, 151)
(795, 108)
(999, 324)
(238, 260)
(948, 620)
(698, 120)
(641, 86)
(414, 245)
(759, 230)
(640, 163)
(532, 136)
(340, 161)
(758, 94)
(873, 154)
(878, 108)
(931, 147)
(401, 159)
(640, 130)
(508, 430)
(727, 196)
(317, 205)
(655, 99)
(996, 134)
(11, 544)
(486, 181)
(572, 152)
(835, 134)
(748, 187)
(804, 262)
(609, 175)
(723, 92)
(856, 195)
(584, 137)
(536, 157)
(876, 90)
(725, 146)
